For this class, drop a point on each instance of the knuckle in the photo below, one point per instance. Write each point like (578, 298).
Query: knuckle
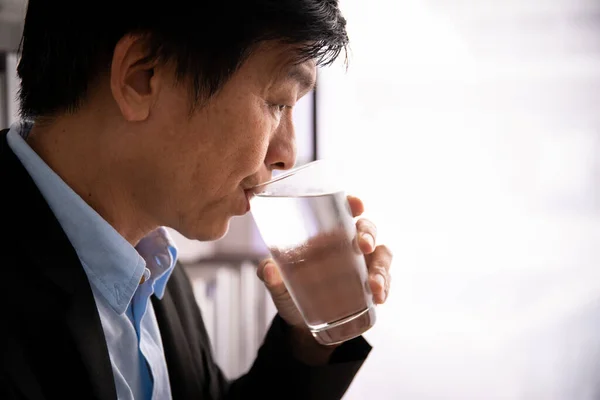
(386, 251)
(366, 225)
(379, 269)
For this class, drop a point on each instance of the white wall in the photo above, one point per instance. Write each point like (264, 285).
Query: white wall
(9, 86)
(473, 135)
(12, 88)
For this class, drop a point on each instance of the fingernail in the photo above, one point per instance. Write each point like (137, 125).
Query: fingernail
(380, 280)
(369, 239)
(268, 272)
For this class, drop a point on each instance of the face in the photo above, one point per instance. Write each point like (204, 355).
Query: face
(193, 169)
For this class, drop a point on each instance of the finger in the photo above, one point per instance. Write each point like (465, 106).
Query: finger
(367, 235)
(379, 263)
(357, 207)
(268, 272)
(380, 287)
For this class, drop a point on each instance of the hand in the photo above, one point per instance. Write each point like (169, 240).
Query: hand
(378, 259)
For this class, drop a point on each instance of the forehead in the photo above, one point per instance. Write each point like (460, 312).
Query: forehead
(273, 62)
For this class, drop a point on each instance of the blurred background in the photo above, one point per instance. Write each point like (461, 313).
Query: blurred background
(471, 129)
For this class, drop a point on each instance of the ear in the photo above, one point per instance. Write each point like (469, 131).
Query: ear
(132, 80)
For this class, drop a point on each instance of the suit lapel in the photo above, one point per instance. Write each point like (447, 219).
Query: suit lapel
(37, 233)
(83, 321)
(185, 375)
(15, 366)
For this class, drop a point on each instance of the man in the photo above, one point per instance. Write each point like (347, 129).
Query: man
(142, 118)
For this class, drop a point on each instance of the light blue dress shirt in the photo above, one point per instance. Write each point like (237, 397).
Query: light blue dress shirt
(114, 269)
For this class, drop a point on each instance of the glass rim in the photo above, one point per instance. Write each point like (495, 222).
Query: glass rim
(285, 175)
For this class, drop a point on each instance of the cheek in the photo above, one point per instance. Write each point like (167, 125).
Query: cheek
(253, 134)
(227, 142)
(257, 148)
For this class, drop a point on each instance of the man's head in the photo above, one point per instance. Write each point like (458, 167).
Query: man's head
(179, 105)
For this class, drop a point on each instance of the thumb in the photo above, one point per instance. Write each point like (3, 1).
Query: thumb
(268, 272)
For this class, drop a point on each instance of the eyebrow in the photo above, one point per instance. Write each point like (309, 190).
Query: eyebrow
(303, 77)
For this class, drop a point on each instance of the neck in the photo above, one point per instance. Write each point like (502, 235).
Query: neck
(87, 154)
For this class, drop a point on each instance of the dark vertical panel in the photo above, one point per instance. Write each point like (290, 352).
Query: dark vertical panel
(3, 92)
(315, 151)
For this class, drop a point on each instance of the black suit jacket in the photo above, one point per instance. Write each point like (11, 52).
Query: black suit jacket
(52, 343)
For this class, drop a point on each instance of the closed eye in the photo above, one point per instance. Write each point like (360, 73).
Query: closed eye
(278, 108)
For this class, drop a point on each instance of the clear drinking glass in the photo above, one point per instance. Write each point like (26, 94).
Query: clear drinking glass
(304, 218)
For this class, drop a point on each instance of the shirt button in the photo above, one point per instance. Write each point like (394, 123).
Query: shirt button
(145, 276)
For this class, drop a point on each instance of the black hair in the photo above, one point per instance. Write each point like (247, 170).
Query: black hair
(66, 44)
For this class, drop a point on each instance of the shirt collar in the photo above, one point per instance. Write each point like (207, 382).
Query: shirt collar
(160, 253)
(113, 266)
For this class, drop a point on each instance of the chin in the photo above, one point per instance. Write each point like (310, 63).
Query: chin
(210, 231)
(220, 231)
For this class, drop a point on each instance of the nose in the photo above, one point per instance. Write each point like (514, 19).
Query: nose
(282, 152)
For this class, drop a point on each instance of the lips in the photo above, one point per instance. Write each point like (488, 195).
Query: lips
(249, 185)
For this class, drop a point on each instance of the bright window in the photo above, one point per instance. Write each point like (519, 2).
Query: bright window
(471, 130)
